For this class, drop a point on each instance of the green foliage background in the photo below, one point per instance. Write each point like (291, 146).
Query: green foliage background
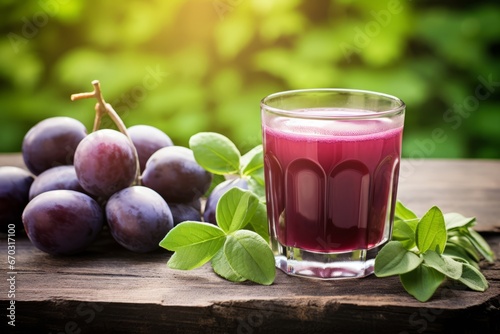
(204, 65)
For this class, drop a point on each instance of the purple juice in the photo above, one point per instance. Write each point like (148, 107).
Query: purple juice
(331, 185)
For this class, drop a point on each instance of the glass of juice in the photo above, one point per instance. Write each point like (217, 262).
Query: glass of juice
(331, 162)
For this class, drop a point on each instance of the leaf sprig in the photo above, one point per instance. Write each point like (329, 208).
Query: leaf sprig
(425, 251)
(238, 247)
(235, 250)
(220, 156)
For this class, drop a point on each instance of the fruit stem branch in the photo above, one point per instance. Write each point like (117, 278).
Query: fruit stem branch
(103, 108)
(96, 93)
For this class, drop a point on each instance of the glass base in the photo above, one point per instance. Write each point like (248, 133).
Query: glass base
(299, 262)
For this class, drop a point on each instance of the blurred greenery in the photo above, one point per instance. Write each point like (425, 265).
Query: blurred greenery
(193, 65)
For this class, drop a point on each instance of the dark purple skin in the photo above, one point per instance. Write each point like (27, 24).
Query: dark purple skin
(147, 140)
(52, 142)
(62, 222)
(182, 212)
(175, 175)
(15, 185)
(216, 194)
(56, 178)
(105, 163)
(195, 204)
(138, 218)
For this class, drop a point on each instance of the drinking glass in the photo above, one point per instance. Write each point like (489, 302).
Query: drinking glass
(331, 163)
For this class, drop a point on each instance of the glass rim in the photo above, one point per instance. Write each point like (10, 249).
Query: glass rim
(400, 105)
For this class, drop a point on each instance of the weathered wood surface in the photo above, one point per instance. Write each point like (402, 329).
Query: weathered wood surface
(110, 290)
(471, 188)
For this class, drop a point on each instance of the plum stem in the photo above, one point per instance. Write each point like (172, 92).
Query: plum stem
(103, 108)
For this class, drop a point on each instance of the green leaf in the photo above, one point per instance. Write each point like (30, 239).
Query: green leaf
(464, 243)
(405, 226)
(481, 245)
(222, 268)
(256, 184)
(253, 161)
(422, 282)
(194, 244)
(458, 253)
(258, 223)
(473, 278)
(444, 264)
(235, 209)
(456, 220)
(403, 213)
(395, 259)
(215, 152)
(431, 231)
(250, 257)
(404, 232)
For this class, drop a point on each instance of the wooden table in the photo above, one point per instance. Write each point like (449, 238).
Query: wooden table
(109, 289)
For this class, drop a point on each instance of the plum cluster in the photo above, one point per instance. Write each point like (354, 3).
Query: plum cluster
(136, 183)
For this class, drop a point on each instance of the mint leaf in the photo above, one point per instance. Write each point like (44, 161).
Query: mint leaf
(403, 213)
(444, 264)
(404, 232)
(456, 220)
(257, 186)
(194, 244)
(473, 278)
(464, 243)
(250, 256)
(235, 209)
(431, 231)
(215, 152)
(253, 161)
(222, 268)
(258, 223)
(448, 247)
(458, 253)
(395, 259)
(405, 226)
(481, 245)
(422, 282)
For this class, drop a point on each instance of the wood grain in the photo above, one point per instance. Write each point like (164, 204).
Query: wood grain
(108, 289)
(470, 187)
